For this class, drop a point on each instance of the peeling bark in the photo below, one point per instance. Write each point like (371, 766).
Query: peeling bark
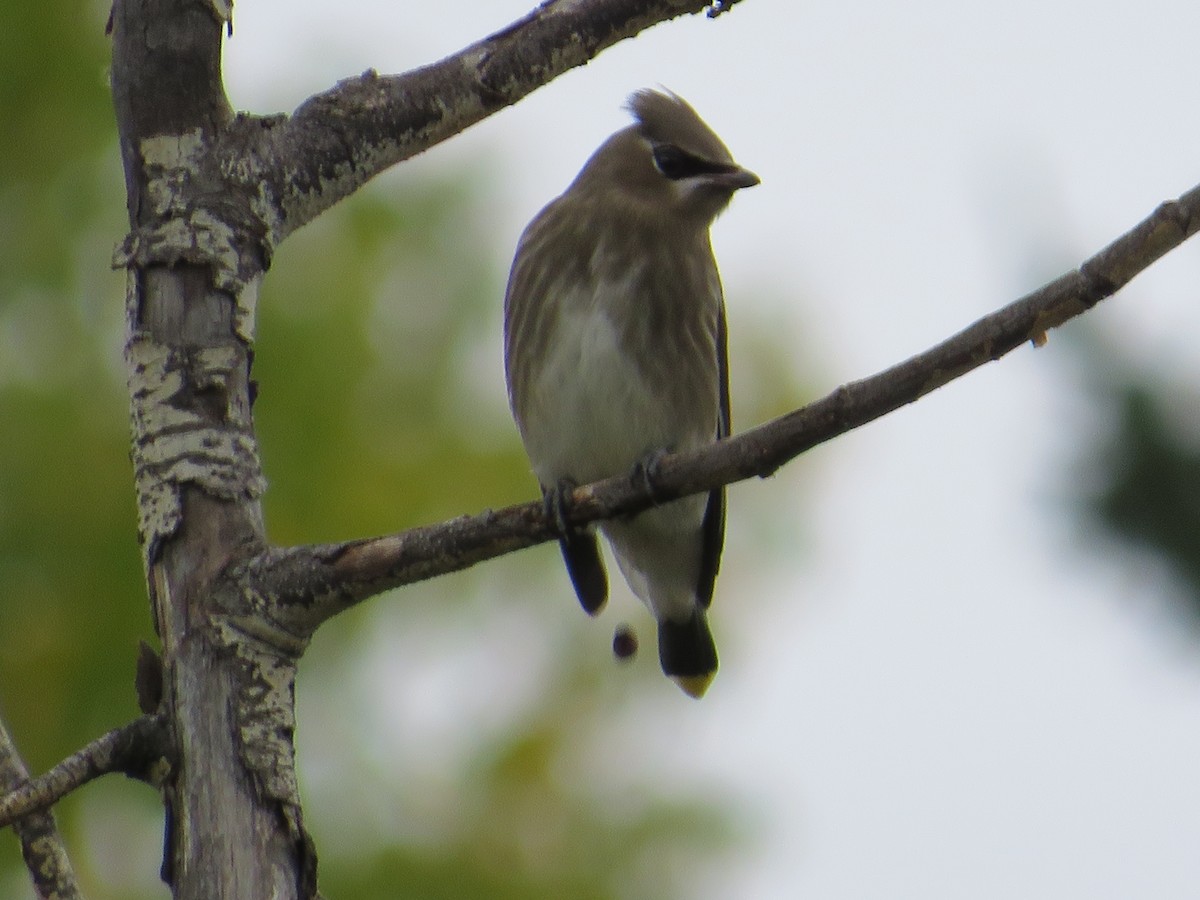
(194, 258)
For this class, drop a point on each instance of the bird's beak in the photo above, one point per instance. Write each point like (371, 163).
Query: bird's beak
(736, 178)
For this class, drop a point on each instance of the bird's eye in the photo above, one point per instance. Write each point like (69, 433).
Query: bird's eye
(675, 163)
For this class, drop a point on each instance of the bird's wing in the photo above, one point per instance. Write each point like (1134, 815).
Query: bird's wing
(581, 553)
(714, 513)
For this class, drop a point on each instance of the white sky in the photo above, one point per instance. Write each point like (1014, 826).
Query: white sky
(947, 695)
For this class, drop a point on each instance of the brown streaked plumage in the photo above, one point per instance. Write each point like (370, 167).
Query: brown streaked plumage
(615, 349)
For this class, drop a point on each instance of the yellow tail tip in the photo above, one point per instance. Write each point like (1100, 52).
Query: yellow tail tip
(694, 685)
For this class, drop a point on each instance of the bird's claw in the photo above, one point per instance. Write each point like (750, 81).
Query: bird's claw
(646, 471)
(556, 502)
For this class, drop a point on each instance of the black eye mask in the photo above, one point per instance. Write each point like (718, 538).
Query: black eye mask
(676, 164)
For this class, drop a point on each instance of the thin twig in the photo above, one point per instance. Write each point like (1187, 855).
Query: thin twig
(138, 749)
(41, 844)
(340, 138)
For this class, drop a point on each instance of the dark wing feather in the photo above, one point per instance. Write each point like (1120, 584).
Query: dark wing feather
(714, 512)
(581, 553)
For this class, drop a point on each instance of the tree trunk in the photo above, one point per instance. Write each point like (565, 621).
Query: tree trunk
(195, 457)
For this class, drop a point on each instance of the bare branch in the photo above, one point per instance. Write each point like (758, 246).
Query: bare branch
(298, 588)
(338, 140)
(41, 844)
(138, 749)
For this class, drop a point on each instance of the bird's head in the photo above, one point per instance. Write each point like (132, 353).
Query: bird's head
(668, 164)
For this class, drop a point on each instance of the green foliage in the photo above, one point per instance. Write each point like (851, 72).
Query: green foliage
(72, 598)
(57, 117)
(532, 833)
(370, 324)
(1147, 477)
(71, 592)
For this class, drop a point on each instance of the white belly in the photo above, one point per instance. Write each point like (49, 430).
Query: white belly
(593, 414)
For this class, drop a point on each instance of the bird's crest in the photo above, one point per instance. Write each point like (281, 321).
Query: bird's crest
(666, 118)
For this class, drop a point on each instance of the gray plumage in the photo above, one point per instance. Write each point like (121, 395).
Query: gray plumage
(615, 348)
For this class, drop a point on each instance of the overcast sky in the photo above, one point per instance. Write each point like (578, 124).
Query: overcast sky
(948, 694)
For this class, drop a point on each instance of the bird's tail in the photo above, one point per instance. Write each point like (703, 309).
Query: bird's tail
(687, 653)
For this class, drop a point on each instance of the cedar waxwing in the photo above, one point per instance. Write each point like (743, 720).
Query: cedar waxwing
(615, 351)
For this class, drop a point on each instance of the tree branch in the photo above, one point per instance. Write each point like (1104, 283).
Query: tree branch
(41, 844)
(298, 588)
(138, 749)
(338, 140)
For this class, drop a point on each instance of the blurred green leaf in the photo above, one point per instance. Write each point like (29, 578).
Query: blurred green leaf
(1147, 491)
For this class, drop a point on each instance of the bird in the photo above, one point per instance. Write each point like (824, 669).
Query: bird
(615, 352)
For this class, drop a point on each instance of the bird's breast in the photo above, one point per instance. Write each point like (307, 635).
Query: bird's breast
(612, 389)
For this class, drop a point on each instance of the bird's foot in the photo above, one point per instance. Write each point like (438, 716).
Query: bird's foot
(556, 501)
(646, 471)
